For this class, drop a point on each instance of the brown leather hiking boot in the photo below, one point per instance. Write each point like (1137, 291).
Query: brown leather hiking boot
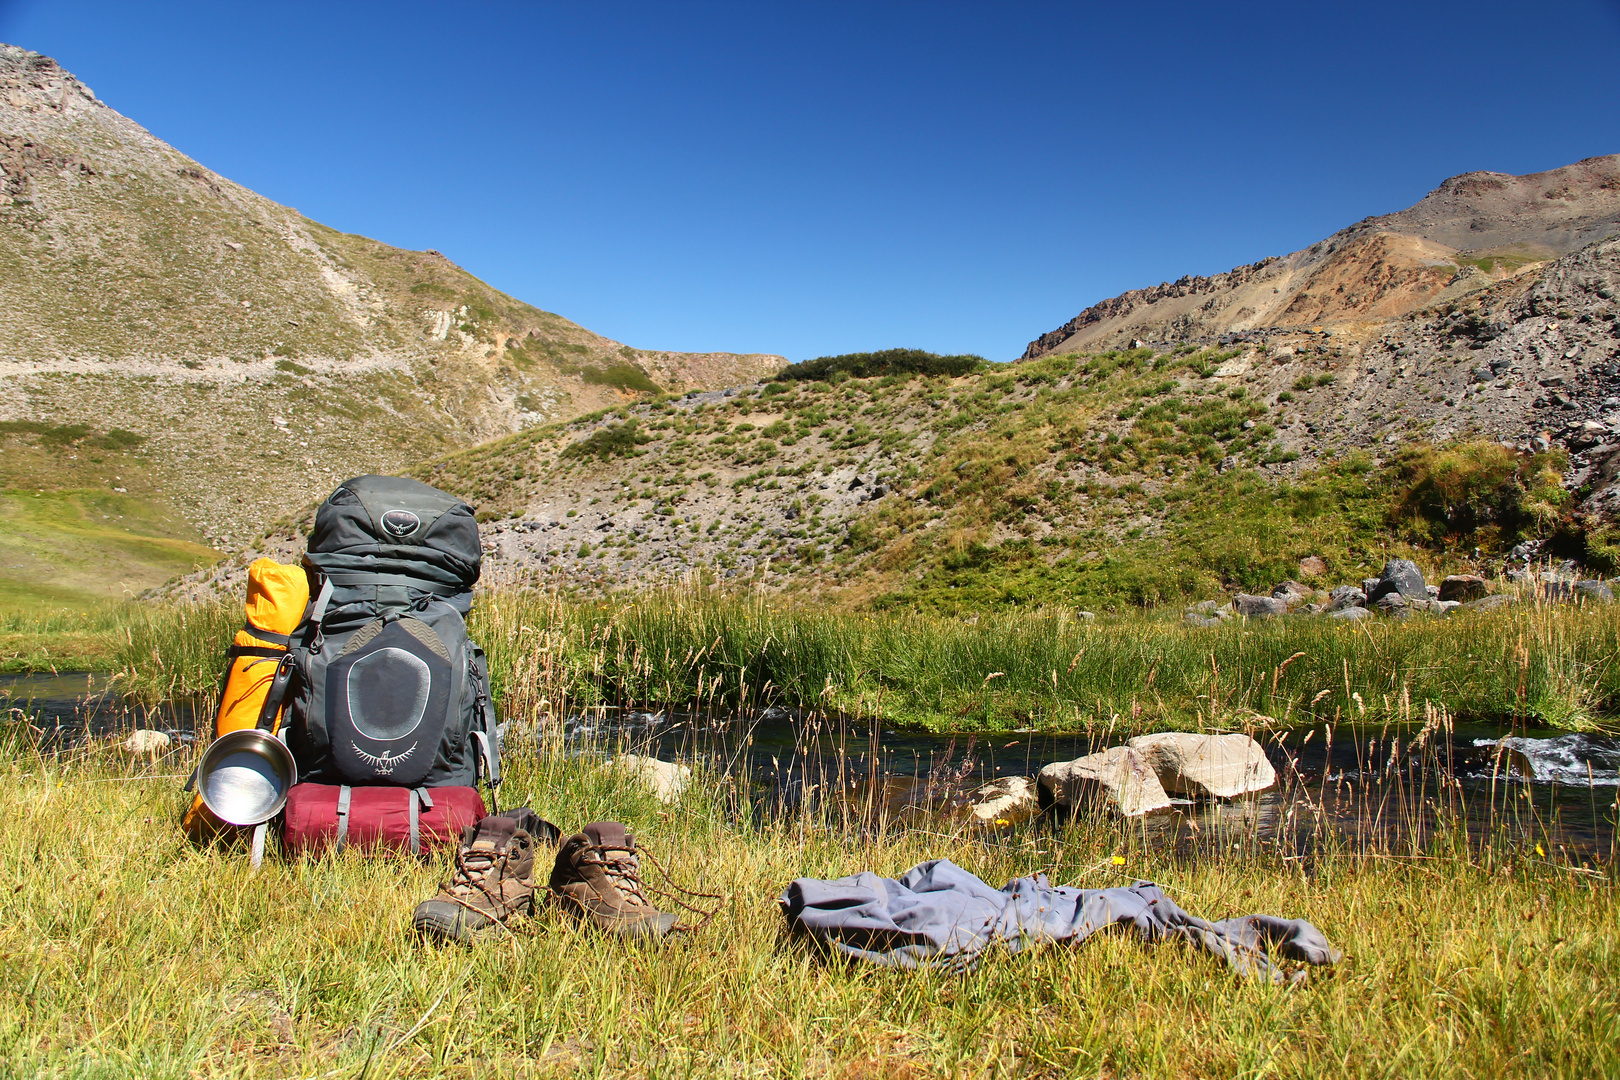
(597, 878)
(493, 881)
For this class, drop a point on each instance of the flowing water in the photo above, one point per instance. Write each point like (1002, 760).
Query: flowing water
(1388, 788)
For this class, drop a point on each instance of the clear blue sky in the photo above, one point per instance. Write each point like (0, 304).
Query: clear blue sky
(810, 179)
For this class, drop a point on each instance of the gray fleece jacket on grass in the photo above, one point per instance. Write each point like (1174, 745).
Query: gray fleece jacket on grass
(939, 915)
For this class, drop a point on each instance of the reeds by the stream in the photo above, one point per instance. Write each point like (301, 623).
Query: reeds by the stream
(688, 646)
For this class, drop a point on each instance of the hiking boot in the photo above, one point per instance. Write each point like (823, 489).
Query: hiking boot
(597, 878)
(493, 881)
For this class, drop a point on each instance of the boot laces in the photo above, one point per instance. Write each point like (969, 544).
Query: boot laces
(623, 870)
(481, 871)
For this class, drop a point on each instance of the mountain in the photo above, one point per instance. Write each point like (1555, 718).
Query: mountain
(1470, 233)
(1449, 429)
(169, 337)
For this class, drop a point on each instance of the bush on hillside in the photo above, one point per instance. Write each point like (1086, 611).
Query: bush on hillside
(621, 377)
(614, 440)
(72, 435)
(1478, 493)
(888, 362)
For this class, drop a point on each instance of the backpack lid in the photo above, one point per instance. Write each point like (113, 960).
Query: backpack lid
(399, 528)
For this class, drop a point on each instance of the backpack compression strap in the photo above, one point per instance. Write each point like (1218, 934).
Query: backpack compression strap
(345, 793)
(486, 733)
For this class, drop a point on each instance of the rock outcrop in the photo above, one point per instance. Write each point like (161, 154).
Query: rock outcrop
(666, 780)
(1205, 766)
(1471, 232)
(1117, 777)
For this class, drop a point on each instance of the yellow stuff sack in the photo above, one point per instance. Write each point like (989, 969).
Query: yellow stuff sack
(277, 595)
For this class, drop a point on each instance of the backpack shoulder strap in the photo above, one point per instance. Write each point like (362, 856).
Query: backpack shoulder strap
(485, 730)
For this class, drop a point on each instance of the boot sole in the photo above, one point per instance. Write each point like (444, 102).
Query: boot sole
(450, 922)
(657, 925)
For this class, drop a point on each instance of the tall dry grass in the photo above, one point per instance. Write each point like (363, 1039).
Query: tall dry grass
(692, 647)
(128, 952)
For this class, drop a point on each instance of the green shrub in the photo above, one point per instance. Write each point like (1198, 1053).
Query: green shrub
(887, 362)
(621, 377)
(614, 440)
(1477, 493)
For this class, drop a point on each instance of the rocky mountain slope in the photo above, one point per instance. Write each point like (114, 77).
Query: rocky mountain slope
(1450, 432)
(1472, 232)
(172, 336)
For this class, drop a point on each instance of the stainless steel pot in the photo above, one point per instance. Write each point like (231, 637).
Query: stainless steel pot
(245, 776)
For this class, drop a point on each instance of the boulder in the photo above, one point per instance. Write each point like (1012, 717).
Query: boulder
(1368, 585)
(1488, 603)
(1390, 603)
(1312, 566)
(1215, 766)
(1085, 616)
(1463, 587)
(1593, 592)
(147, 743)
(1351, 614)
(1444, 607)
(1291, 590)
(1433, 591)
(665, 779)
(1003, 801)
(1203, 607)
(1258, 607)
(1400, 576)
(1195, 619)
(1117, 776)
(1346, 596)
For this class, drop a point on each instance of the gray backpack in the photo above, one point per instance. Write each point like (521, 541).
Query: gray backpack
(388, 688)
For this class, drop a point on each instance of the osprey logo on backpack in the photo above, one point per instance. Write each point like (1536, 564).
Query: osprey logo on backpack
(400, 523)
(383, 764)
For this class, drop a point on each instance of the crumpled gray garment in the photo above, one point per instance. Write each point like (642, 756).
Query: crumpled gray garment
(939, 915)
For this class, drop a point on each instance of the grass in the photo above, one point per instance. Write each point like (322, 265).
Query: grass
(140, 955)
(79, 548)
(1042, 668)
(60, 639)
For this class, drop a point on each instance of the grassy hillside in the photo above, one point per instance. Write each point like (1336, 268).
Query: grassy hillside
(1109, 480)
(248, 357)
(83, 520)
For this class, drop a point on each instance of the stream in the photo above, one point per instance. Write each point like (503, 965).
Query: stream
(1372, 787)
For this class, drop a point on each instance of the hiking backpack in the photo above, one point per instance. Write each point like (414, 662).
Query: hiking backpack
(388, 710)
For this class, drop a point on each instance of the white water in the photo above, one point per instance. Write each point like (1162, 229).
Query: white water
(1574, 760)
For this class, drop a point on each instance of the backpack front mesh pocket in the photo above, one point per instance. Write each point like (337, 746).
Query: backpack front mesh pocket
(388, 700)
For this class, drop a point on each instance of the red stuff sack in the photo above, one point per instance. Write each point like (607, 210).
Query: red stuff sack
(322, 816)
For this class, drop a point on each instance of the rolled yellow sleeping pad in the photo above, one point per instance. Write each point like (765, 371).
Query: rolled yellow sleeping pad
(277, 595)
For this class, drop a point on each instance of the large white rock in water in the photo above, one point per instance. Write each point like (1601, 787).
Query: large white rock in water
(147, 742)
(665, 779)
(1119, 774)
(1222, 766)
(1004, 800)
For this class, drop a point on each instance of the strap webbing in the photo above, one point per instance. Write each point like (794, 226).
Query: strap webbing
(416, 822)
(344, 794)
(421, 585)
(266, 651)
(256, 849)
(265, 635)
(317, 611)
